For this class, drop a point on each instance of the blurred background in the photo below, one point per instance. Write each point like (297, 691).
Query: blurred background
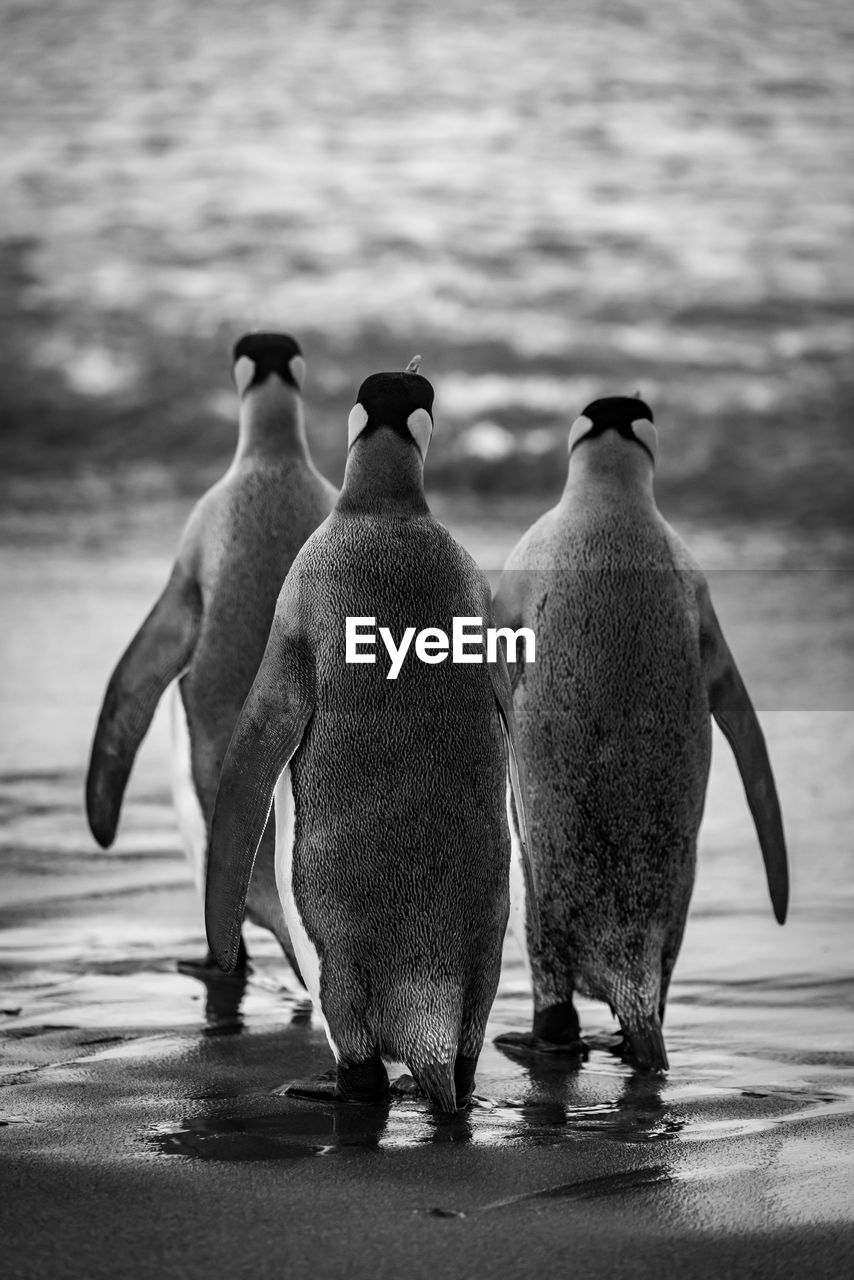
(549, 201)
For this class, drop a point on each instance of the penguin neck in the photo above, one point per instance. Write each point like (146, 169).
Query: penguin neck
(384, 474)
(613, 469)
(271, 423)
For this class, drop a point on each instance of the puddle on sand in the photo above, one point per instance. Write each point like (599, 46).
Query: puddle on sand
(300, 1129)
(284, 1135)
(306, 1129)
(641, 1113)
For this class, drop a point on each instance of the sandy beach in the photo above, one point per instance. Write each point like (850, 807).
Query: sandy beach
(141, 1131)
(142, 1136)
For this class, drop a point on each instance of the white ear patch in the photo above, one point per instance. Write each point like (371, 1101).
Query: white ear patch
(579, 429)
(646, 433)
(296, 364)
(356, 423)
(420, 426)
(244, 372)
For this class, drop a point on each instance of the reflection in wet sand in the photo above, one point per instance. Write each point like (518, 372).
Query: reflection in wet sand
(288, 1134)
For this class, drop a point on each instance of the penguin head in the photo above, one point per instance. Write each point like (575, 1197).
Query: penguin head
(258, 355)
(402, 402)
(629, 416)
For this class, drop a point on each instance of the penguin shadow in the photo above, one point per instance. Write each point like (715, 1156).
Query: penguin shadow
(638, 1114)
(550, 1091)
(300, 1127)
(557, 1097)
(296, 1132)
(440, 1129)
(223, 1016)
(223, 996)
(409, 1117)
(430, 1126)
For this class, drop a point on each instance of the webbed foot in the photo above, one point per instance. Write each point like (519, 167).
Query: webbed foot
(556, 1033)
(322, 1088)
(361, 1082)
(525, 1045)
(405, 1086)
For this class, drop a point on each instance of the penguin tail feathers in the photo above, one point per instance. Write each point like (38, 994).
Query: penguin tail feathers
(436, 1082)
(421, 1026)
(645, 1042)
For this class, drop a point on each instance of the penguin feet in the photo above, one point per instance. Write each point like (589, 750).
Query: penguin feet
(322, 1088)
(405, 1086)
(524, 1045)
(556, 1032)
(360, 1082)
(613, 1042)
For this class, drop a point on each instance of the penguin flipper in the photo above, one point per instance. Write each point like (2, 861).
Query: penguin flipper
(266, 737)
(158, 653)
(733, 711)
(500, 678)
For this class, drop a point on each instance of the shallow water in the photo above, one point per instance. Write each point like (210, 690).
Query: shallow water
(760, 1024)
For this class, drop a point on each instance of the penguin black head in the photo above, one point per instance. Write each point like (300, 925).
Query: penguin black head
(402, 401)
(629, 416)
(257, 355)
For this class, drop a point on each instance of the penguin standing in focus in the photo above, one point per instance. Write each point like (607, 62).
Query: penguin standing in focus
(206, 634)
(615, 736)
(392, 840)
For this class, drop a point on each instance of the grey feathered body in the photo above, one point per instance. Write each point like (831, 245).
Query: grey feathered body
(241, 541)
(613, 721)
(401, 845)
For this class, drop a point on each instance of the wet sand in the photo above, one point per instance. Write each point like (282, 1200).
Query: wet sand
(142, 1135)
(140, 1131)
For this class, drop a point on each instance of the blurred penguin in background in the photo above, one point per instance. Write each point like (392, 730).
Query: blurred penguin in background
(615, 735)
(206, 634)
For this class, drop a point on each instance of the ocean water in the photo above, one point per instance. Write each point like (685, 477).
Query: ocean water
(549, 202)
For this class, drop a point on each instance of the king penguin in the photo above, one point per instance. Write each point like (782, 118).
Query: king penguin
(615, 736)
(206, 634)
(392, 838)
